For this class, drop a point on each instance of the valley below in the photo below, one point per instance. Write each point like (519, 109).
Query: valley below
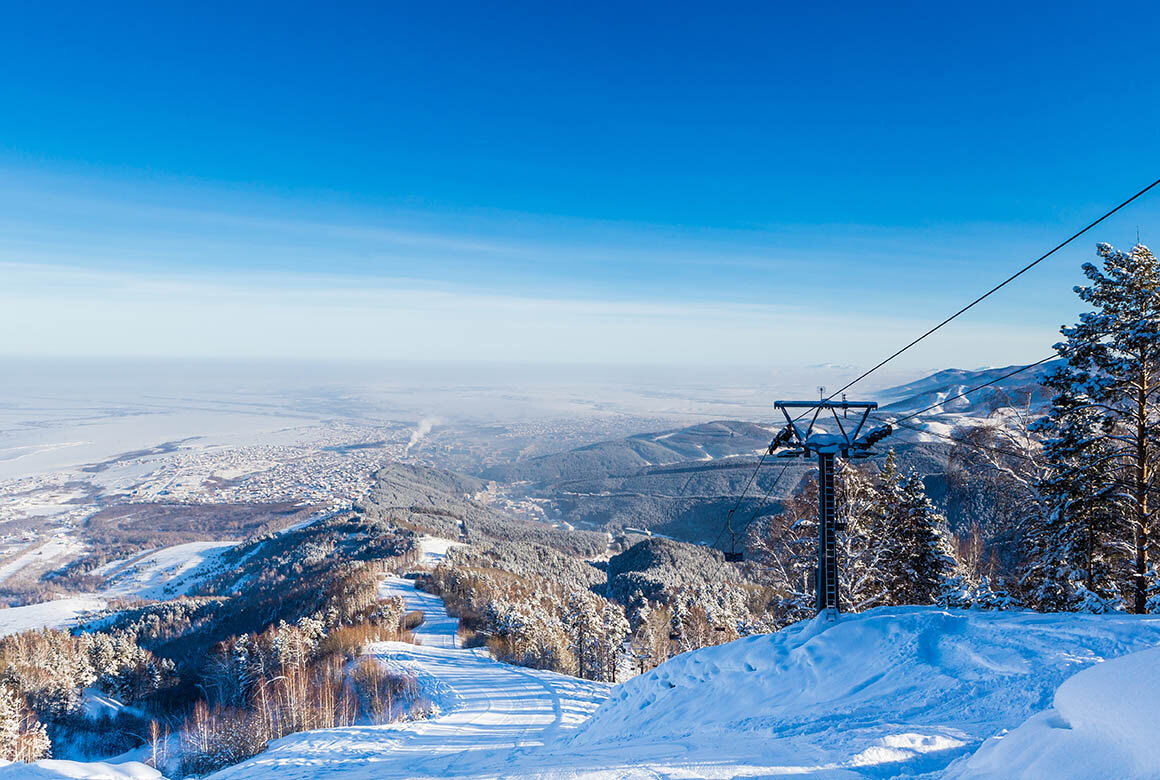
(545, 597)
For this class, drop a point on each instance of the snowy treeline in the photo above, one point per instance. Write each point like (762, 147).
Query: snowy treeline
(272, 645)
(47, 672)
(681, 597)
(291, 678)
(530, 619)
(1063, 511)
(894, 547)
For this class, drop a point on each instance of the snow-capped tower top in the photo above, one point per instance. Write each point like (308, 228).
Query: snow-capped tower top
(849, 442)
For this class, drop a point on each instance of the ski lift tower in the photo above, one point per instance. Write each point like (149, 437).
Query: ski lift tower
(850, 442)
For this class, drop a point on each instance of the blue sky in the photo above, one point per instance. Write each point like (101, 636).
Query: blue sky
(654, 183)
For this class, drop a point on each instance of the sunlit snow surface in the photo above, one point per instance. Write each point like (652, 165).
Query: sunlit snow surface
(55, 549)
(165, 573)
(895, 692)
(59, 613)
(902, 692)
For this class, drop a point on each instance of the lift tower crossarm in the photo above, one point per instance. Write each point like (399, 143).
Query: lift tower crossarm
(826, 447)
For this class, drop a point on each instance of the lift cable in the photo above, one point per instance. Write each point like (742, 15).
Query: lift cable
(967, 392)
(944, 322)
(995, 289)
(741, 497)
(752, 517)
(1017, 455)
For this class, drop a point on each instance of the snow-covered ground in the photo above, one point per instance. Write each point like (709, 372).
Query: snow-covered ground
(491, 714)
(903, 692)
(94, 770)
(899, 692)
(54, 550)
(1103, 723)
(59, 613)
(433, 550)
(894, 692)
(159, 574)
(166, 573)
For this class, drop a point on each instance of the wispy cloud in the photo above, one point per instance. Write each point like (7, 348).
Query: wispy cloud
(62, 310)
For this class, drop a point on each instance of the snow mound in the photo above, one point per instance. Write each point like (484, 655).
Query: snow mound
(894, 691)
(1104, 724)
(53, 770)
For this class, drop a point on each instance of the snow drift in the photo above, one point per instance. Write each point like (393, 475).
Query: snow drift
(894, 692)
(97, 770)
(1103, 724)
(891, 692)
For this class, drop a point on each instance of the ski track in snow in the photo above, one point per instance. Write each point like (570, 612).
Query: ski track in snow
(492, 714)
(908, 692)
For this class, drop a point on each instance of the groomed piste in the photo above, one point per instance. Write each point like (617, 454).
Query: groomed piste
(893, 692)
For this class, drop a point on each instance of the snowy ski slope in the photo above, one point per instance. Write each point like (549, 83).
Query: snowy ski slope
(898, 692)
(59, 613)
(492, 714)
(165, 573)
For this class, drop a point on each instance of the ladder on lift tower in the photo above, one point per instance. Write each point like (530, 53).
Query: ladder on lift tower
(828, 549)
(827, 446)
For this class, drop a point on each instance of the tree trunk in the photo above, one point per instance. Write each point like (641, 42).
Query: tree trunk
(1140, 526)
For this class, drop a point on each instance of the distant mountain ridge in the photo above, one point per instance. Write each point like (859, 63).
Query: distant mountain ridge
(703, 442)
(1021, 389)
(681, 482)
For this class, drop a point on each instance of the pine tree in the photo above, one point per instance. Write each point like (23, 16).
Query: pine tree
(862, 540)
(917, 561)
(1103, 438)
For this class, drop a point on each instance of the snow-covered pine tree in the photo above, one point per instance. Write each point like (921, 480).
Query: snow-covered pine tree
(582, 618)
(916, 562)
(1074, 559)
(1104, 425)
(862, 540)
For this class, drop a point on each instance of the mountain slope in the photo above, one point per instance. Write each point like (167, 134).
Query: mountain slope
(899, 692)
(894, 692)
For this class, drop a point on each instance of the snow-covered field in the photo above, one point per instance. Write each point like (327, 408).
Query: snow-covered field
(894, 692)
(59, 613)
(1103, 723)
(166, 573)
(159, 574)
(902, 692)
(58, 548)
